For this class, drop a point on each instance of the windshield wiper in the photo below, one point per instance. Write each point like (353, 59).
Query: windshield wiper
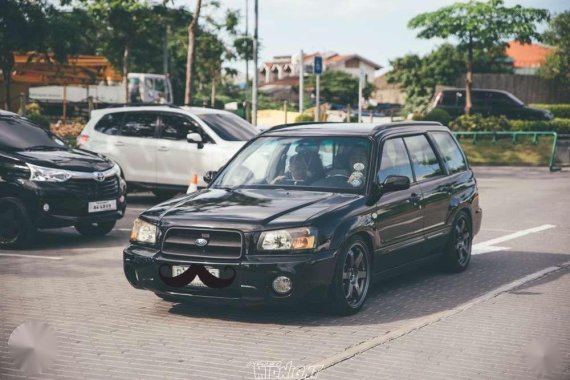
(44, 147)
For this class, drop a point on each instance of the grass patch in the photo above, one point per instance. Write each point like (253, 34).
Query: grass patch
(504, 152)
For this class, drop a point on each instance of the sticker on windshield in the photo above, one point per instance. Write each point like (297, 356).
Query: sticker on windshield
(356, 182)
(358, 166)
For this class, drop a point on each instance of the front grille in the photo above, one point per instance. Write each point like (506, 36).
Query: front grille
(93, 190)
(222, 244)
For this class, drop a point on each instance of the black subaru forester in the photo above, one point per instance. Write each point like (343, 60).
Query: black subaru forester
(44, 183)
(312, 212)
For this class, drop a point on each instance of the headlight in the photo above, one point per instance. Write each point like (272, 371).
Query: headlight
(41, 174)
(143, 232)
(288, 240)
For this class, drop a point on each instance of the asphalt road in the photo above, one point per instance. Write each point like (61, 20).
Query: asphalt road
(506, 317)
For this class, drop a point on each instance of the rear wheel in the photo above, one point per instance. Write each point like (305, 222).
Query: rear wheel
(95, 229)
(16, 227)
(352, 278)
(458, 251)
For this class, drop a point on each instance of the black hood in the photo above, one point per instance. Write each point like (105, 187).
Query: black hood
(72, 159)
(246, 209)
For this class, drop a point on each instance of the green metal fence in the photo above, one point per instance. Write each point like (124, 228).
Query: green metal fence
(514, 135)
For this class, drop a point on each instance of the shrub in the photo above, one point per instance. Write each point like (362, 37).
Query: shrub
(558, 110)
(561, 126)
(438, 115)
(479, 123)
(38, 119)
(304, 117)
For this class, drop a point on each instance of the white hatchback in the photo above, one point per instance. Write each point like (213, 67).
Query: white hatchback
(160, 147)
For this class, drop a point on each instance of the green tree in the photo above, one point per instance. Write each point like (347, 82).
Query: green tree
(419, 76)
(340, 87)
(557, 65)
(124, 24)
(21, 24)
(478, 26)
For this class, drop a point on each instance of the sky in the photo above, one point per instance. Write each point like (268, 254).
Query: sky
(375, 29)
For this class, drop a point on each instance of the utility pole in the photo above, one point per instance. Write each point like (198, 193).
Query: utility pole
(301, 80)
(255, 75)
(165, 51)
(318, 103)
(360, 84)
(246, 57)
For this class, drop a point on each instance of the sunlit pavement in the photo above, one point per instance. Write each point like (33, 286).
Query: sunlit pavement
(506, 317)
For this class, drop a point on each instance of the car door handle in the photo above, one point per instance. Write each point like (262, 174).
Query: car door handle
(414, 198)
(119, 143)
(163, 149)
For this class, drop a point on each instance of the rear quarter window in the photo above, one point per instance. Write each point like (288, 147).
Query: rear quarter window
(110, 124)
(451, 152)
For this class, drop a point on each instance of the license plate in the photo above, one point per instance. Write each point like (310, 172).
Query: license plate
(101, 206)
(179, 269)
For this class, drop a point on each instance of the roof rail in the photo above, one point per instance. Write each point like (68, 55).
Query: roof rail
(406, 123)
(142, 105)
(282, 126)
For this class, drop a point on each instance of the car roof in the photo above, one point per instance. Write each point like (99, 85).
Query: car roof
(350, 129)
(475, 90)
(160, 108)
(7, 113)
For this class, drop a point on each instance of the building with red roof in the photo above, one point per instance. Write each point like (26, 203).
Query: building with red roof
(527, 58)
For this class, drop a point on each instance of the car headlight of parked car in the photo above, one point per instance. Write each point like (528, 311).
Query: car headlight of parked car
(288, 240)
(144, 232)
(41, 174)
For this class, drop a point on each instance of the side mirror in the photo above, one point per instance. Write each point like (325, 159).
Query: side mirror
(195, 138)
(395, 183)
(209, 175)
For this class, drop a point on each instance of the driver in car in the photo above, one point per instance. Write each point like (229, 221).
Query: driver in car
(304, 168)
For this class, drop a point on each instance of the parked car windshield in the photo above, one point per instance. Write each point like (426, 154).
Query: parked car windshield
(305, 163)
(17, 133)
(229, 127)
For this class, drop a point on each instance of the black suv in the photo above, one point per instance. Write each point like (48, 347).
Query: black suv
(312, 211)
(487, 103)
(46, 184)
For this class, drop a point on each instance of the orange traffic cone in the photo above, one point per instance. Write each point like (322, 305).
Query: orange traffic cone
(193, 184)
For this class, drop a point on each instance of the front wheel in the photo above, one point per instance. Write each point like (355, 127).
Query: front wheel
(457, 254)
(95, 229)
(351, 279)
(16, 227)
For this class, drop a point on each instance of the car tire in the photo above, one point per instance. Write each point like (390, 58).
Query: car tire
(457, 253)
(351, 278)
(16, 227)
(95, 229)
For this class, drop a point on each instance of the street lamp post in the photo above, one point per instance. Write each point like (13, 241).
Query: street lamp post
(255, 75)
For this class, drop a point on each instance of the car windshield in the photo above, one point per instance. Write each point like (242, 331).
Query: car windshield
(17, 133)
(229, 127)
(305, 163)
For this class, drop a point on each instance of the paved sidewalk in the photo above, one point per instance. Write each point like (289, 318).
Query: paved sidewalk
(522, 334)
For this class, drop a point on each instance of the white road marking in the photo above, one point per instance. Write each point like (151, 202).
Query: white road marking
(31, 256)
(137, 208)
(426, 321)
(489, 245)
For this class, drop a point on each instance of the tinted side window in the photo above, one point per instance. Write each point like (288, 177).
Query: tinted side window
(500, 100)
(448, 98)
(176, 127)
(451, 152)
(424, 160)
(139, 124)
(395, 160)
(110, 124)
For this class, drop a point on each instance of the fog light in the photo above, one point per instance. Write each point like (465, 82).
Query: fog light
(46, 207)
(122, 199)
(282, 285)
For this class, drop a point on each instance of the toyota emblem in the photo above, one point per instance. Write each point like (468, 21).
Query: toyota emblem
(99, 176)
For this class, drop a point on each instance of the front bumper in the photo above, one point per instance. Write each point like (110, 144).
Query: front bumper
(67, 206)
(311, 275)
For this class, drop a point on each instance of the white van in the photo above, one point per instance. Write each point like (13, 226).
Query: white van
(159, 148)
